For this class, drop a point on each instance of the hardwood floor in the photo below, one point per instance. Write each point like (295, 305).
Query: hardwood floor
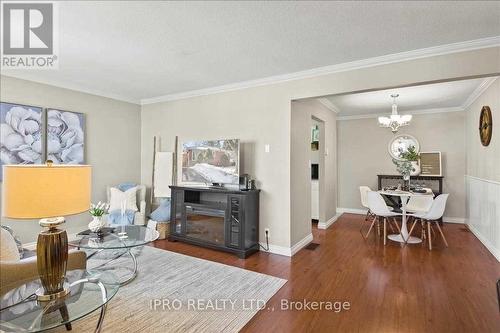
(390, 289)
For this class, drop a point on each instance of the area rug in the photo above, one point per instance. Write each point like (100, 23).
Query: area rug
(179, 293)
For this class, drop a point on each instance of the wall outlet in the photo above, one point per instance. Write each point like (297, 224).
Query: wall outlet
(266, 231)
(267, 148)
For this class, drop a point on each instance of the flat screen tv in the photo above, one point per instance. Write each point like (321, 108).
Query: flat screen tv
(211, 162)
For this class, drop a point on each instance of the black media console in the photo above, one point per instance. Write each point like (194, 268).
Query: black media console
(216, 218)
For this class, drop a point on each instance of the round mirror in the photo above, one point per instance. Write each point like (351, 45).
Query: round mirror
(400, 144)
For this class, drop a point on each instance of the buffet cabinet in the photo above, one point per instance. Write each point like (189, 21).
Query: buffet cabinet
(216, 218)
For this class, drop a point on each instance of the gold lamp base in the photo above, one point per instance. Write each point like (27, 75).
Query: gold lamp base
(52, 260)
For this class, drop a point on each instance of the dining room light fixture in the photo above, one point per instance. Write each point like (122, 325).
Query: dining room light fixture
(395, 121)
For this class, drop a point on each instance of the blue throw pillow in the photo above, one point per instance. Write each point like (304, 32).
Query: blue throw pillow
(126, 186)
(162, 213)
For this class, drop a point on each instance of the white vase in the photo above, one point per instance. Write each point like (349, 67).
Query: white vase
(96, 224)
(415, 168)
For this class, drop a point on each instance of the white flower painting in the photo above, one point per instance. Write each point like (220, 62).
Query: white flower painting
(65, 137)
(21, 134)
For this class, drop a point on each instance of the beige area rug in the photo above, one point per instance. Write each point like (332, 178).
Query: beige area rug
(179, 293)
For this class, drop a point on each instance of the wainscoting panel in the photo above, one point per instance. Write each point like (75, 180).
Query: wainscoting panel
(483, 212)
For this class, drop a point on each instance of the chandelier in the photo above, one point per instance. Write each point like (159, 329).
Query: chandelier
(395, 121)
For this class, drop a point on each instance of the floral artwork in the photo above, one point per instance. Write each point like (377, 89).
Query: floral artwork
(65, 137)
(21, 134)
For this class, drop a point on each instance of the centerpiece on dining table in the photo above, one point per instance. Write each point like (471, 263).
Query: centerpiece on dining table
(407, 165)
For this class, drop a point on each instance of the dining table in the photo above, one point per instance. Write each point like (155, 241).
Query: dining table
(404, 196)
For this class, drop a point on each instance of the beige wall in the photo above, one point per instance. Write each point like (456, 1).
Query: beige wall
(363, 154)
(261, 115)
(484, 162)
(300, 176)
(112, 140)
(483, 173)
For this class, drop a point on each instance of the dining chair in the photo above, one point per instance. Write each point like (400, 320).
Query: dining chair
(379, 210)
(433, 215)
(363, 190)
(419, 204)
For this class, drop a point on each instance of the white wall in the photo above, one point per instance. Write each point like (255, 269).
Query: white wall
(112, 140)
(363, 154)
(262, 115)
(483, 172)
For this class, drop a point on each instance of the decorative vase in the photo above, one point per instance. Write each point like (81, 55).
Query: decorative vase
(96, 224)
(406, 183)
(415, 168)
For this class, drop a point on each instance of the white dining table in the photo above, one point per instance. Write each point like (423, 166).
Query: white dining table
(405, 196)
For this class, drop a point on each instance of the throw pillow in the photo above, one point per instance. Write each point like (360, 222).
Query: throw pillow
(129, 197)
(162, 213)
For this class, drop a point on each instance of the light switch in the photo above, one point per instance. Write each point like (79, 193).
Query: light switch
(267, 148)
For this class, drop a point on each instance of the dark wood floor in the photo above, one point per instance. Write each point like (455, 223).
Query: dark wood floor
(390, 289)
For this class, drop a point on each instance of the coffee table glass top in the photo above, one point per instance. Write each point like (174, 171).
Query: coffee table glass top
(121, 237)
(87, 294)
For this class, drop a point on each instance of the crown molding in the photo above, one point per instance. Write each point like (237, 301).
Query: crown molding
(479, 91)
(328, 104)
(75, 87)
(343, 67)
(412, 112)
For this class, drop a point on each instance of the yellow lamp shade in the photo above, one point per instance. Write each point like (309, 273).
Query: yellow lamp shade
(39, 191)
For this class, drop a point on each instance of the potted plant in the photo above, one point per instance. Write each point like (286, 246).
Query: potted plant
(404, 168)
(412, 156)
(97, 211)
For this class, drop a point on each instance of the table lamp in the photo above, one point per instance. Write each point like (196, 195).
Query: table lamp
(47, 192)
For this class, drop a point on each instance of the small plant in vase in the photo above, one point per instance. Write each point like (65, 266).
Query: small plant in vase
(412, 156)
(404, 168)
(97, 211)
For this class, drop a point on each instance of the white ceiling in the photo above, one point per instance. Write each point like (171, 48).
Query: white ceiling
(136, 50)
(425, 98)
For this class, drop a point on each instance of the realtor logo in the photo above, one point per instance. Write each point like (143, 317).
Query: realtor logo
(28, 35)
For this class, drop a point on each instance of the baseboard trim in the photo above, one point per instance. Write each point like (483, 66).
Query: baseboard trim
(289, 251)
(327, 224)
(447, 219)
(492, 249)
(301, 244)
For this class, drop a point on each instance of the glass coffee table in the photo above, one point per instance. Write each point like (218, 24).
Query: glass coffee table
(21, 312)
(118, 242)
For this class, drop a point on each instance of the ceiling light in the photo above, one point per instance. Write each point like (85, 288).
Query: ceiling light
(395, 121)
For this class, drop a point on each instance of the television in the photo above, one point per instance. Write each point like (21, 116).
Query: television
(215, 162)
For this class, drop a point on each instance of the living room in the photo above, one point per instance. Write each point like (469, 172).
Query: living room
(147, 83)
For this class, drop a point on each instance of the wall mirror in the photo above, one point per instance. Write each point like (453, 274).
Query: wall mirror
(400, 144)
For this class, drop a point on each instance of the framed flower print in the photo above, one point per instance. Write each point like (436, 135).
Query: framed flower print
(22, 134)
(65, 137)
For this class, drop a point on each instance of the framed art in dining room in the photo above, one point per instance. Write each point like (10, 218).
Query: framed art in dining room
(22, 134)
(430, 163)
(65, 137)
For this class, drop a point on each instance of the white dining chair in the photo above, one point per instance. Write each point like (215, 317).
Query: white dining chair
(433, 215)
(419, 204)
(363, 190)
(379, 209)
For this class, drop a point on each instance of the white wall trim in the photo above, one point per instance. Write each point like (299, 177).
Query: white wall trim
(301, 244)
(495, 252)
(343, 67)
(478, 91)
(328, 104)
(483, 180)
(327, 224)
(289, 251)
(412, 112)
(447, 219)
(450, 219)
(75, 87)
(342, 210)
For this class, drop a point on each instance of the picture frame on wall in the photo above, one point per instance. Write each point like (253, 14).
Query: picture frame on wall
(65, 136)
(22, 134)
(430, 163)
